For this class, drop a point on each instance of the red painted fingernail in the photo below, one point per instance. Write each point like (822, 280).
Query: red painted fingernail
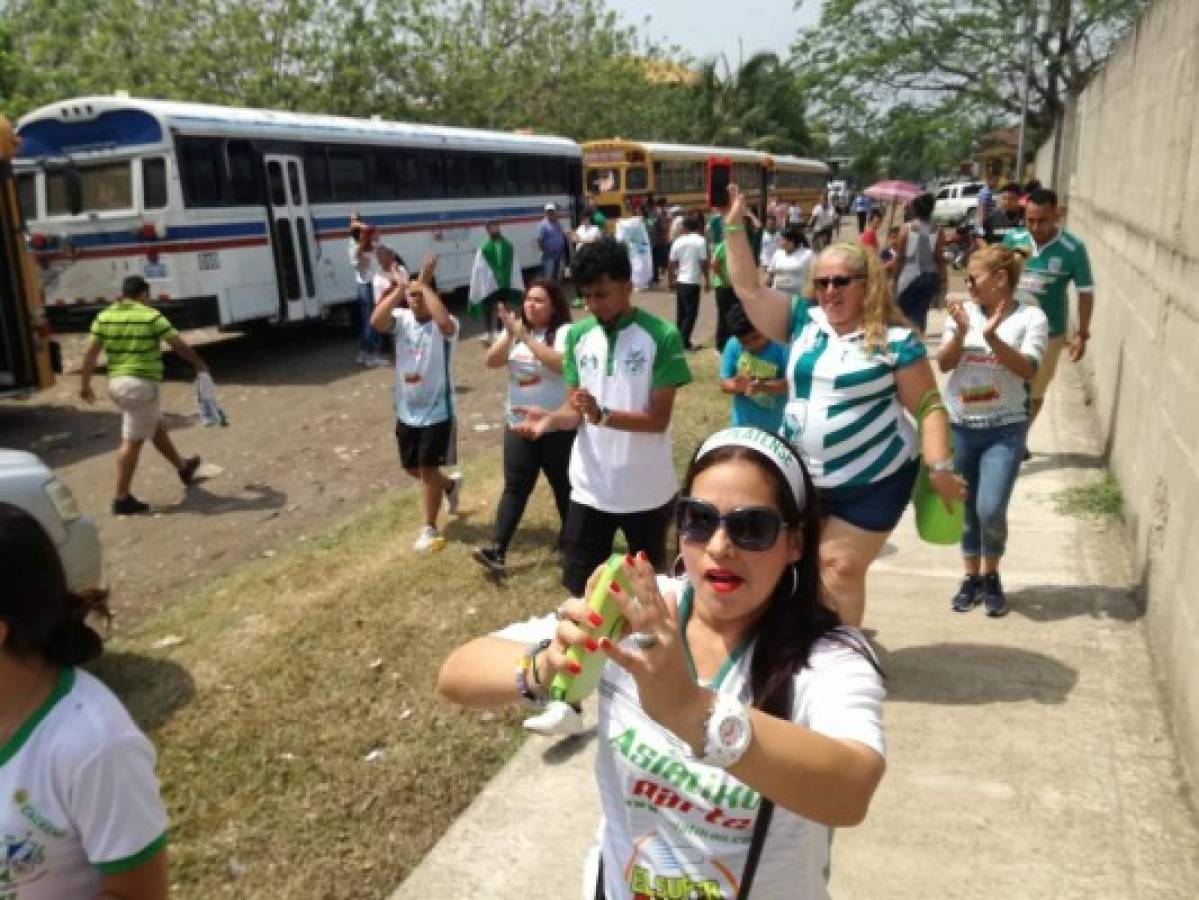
(643, 556)
(605, 643)
(574, 667)
(628, 559)
(595, 618)
(614, 587)
(591, 645)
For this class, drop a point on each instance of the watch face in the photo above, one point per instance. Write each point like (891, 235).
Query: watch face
(730, 731)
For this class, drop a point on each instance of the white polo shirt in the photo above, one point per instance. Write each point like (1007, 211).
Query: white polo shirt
(622, 471)
(690, 251)
(78, 796)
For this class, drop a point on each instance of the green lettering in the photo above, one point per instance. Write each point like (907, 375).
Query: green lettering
(640, 882)
(624, 742)
(644, 756)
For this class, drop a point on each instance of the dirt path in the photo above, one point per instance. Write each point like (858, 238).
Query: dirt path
(310, 441)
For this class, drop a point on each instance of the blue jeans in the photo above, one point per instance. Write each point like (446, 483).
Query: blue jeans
(989, 459)
(551, 267)
(368, 338)
(917, 297)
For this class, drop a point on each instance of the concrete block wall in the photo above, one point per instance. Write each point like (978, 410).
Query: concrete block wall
(1133, 197)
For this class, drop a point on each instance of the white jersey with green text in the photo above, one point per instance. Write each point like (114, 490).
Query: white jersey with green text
(675, 828)
(621, 365)
(78, 796)
(843, 410)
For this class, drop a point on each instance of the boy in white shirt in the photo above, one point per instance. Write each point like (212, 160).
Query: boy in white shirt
(687, 271)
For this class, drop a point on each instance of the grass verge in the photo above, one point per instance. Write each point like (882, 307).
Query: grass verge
(302, 750)
(1100, 500)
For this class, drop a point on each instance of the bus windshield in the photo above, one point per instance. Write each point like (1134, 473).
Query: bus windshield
(637, 178)
(603, 180)
(106, 187)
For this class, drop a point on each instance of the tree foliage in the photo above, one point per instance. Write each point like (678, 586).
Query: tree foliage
(967, 56)
(569, 67)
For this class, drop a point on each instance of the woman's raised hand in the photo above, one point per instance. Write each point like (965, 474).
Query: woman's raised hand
(735, 214)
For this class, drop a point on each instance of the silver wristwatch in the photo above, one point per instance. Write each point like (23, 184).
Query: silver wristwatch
(945, 465)
(727, 733)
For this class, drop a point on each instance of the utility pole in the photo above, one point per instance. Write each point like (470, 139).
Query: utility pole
(1030, 24)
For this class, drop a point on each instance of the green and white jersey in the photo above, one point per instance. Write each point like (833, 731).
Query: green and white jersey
(843, 410)
(78, 796)
(1049, 270)
(621, 471)
(675, 828)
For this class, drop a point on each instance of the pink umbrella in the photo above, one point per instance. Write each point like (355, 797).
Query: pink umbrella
(893, 191)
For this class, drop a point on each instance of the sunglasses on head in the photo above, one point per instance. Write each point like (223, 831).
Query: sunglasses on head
(837, 281)
(748, 527)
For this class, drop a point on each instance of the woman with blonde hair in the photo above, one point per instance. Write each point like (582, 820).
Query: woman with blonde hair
(992, 345)
(855, 366)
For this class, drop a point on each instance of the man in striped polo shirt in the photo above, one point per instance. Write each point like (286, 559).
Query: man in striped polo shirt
(131, 335)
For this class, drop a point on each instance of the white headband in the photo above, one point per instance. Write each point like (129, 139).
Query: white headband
(769, 446)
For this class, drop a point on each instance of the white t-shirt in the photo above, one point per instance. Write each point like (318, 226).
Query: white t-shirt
(770, 244)
(824, 217)
(587, 233)
(532, 383)
(669, 817)
(424, 391)
(790, 270)
(78, 795)
(381, 283)
(794, 214)
(690, 251)
(982, 392)
(365, 265)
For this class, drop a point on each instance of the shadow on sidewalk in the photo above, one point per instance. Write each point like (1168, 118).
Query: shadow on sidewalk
(1053, 603)
(1047, 462)
(962, 674)
(152, 688)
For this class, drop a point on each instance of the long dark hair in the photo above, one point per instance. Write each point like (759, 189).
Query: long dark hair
(44, 618)
(797, 616)
(559, 310)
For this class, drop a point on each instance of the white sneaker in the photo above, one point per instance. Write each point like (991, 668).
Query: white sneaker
(453, 494)
(485, 338)
(428, 541)
(378, 361)
(559, 718)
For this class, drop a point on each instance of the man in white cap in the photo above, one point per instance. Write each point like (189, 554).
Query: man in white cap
(551, 241)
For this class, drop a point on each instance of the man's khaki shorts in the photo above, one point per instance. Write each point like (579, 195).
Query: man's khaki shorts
(137, 398)
(1044, 374)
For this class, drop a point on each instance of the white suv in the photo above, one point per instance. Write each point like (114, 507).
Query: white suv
(28, 484)
(956, 201)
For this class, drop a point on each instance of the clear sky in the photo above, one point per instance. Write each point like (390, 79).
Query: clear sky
(710, 27)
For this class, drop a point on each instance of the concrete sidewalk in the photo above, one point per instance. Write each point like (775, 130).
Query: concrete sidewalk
(1028, 756)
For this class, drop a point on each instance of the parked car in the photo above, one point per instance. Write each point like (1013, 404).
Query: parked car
(956, 201)
(27, 483)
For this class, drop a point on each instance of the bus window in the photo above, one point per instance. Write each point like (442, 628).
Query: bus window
(349, 175)
(274, 177)
(636, 178)
(27, 195)
(154, 182)
(383, 185)
(199, 172)
(316, 174)
(433, 175)
(455, 175)
(600, 181)
(243, 174)
(293, 183)
(106, 187)
(302, 238)
(287, 255)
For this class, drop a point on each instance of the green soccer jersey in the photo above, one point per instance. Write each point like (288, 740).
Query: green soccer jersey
(1048, 271)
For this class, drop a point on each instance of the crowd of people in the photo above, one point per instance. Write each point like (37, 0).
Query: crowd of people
(740, 705)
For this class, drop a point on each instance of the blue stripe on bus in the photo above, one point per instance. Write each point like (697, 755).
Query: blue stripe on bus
(174, 233)
(438, 218)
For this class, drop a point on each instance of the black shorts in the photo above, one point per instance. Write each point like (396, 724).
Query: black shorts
(424, 446)
(877, 506)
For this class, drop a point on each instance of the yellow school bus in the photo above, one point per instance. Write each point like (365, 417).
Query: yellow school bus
(25, 348)
(797, 180)
(618, 174)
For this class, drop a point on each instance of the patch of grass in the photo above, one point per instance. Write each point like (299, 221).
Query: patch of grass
(1100, 500)
(294, 671)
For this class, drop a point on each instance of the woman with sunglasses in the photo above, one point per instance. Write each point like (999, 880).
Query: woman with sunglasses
(734, 713)
(81, 816)
(992, 345)
(856, 365)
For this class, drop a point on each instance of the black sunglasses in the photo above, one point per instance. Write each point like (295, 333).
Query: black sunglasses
(837, 281)
(748, 527)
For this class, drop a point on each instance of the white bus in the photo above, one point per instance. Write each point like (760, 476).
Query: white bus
(237, 216)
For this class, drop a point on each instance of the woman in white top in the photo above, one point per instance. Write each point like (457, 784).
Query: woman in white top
(921, 269)
(787, 270)
(735, 712)
(81, 816)
(531, 348)
(992, 345)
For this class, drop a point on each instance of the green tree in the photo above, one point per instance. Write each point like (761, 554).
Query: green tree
(869, 52)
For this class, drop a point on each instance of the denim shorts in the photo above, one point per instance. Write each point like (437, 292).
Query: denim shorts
(877, 506)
